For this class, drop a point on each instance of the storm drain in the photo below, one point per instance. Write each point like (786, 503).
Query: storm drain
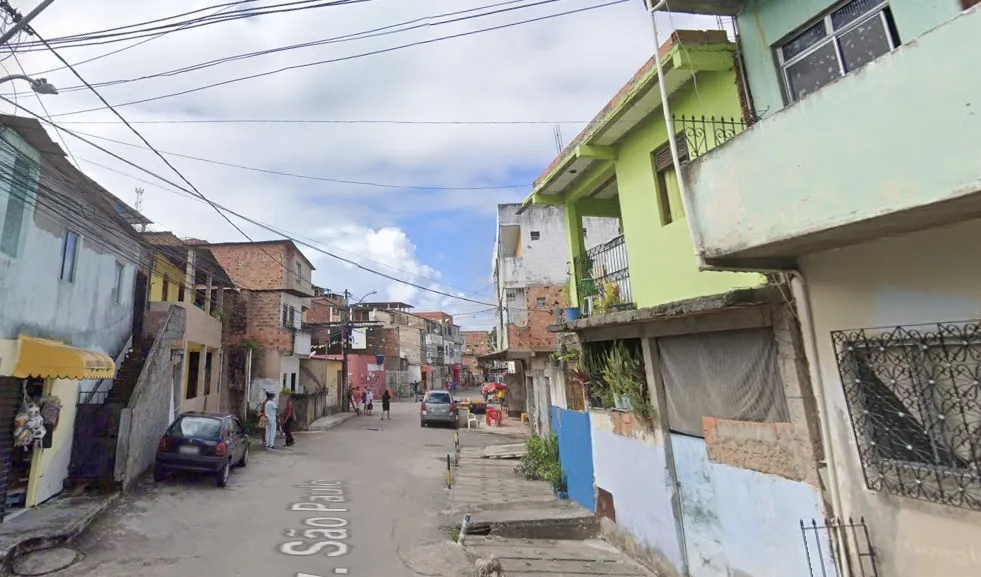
(45, 561)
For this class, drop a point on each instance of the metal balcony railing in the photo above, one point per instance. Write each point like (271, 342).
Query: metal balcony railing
(600, 265)
(701, 134)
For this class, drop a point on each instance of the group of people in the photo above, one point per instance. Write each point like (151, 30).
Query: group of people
(269, 419)
(364, 402)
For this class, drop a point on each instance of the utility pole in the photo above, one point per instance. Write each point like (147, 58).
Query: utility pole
(20, 22)
(345, 330)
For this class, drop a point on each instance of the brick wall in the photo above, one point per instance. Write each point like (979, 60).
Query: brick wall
(253, 266)
(258, 316)
(535, 335)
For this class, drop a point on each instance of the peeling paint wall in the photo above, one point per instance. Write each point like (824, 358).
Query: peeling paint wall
(772, 183)
(33, 300)
(634, 470)
(925, 277)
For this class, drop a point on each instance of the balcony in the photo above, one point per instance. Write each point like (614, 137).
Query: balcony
(603, 277)
(888, 149)
(201, 328)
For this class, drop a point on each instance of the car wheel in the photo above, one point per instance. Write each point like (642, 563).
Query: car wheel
(159, 473)
(244, 462)
(422, 423)
(222, 478)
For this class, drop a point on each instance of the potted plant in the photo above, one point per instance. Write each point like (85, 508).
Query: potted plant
(622, 371)
(570, 313)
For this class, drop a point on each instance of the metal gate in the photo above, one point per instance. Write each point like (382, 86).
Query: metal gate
(10, 397)
(94, 444)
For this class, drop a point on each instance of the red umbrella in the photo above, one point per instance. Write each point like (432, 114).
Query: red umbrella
(491, 387)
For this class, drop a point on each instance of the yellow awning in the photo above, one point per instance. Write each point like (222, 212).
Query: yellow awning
(54, 360)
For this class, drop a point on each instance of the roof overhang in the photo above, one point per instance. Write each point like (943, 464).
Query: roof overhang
(710, 7)
(586, 166)
(508, 355)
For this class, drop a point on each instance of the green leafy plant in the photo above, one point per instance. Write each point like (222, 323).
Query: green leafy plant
(623, 371)
(250, 344)
(608, 298)
(591, 362)
(219, 315)
(541, 462)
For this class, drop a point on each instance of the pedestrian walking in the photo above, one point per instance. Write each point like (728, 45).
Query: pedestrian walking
(370, 400)
(415, 391)
(386, 405)
(289, 416)
(268, 412)
(364, 401)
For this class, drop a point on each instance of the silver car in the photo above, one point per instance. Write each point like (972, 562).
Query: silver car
(438, 407)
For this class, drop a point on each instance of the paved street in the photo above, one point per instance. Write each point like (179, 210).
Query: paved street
(369, 492)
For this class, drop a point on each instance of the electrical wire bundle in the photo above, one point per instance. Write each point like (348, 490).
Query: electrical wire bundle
(160, 25)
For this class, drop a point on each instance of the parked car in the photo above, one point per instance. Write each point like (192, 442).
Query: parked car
(438, 407)
(208, 443)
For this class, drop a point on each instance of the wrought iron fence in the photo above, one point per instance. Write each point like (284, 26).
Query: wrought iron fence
(823, 543)
(600, 266)
(702, 134)
(914, 397)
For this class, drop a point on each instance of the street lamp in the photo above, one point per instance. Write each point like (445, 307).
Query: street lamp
(366, 296)
(39, 85)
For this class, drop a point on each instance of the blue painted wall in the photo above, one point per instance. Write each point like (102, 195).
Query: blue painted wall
(575, 454)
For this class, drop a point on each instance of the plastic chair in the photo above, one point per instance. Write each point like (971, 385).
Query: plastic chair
(472, 418)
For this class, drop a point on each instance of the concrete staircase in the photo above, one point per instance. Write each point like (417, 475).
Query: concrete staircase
(128, 374)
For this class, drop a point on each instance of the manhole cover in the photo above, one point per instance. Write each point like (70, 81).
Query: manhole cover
(45, 561)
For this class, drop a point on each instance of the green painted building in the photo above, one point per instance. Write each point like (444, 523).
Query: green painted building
(620, 166)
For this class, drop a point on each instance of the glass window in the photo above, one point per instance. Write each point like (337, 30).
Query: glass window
(196, 428)
(438, 397)
(69, 253)
(843, 41)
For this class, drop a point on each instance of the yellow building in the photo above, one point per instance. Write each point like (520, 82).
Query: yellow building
(189, 277)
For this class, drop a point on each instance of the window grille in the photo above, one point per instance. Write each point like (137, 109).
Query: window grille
(914, 396)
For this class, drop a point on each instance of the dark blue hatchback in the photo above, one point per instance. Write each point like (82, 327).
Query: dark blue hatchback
(208, 443)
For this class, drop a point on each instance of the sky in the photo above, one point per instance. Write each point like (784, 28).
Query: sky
(433, 221)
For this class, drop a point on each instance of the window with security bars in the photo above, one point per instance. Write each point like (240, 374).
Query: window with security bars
(914, 396)
(842, 41)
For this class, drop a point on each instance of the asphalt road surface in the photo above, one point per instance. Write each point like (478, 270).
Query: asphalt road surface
(362, 499)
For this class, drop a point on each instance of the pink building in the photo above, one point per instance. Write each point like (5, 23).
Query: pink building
(364, 372)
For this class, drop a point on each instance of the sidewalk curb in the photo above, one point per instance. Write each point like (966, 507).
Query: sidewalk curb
(37, 541)
(314, 427)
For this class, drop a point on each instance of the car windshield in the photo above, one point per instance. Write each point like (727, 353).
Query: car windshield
(205, 428)
(438, 398)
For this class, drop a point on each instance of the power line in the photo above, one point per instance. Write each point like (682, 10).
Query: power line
(114, 35)
(135, 44)
(347, 58)
(161, 156)
(223, 210)
(311, 177)
(293, 234)
(330, 121)
(398, 28)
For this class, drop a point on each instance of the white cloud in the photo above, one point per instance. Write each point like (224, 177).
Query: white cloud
(560, 69)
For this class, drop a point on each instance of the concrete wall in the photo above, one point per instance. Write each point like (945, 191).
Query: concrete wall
(924, 277)
(576, 454)
(769, 190)
(148, 415)
(202, 328)
(542, 262)
(763, 24)
(632, 467)
(84, 312)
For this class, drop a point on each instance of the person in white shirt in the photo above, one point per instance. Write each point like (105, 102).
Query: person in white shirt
(371, 402)
(269, 411)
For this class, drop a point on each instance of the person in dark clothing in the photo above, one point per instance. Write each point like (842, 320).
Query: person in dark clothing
(386, 405)
(289, 415)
